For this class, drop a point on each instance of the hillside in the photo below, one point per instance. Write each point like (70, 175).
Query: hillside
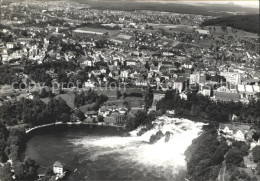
(171, 6)
(248, 23)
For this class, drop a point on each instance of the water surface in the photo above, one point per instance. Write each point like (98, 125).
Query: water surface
(104, 153)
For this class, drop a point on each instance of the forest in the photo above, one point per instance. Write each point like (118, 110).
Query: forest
(11, 145)
(90, 97)
(248, 23)
(208, 110)
(206, 154)
(34, 112)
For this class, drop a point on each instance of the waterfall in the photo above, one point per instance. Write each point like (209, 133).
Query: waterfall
(164, 155)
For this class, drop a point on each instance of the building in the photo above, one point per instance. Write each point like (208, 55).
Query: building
(179, 84)
(10, 45)
(224, 94)
(206, 91)
(124, 73)
(58, 168)
(234, 131)
(157, 97)
(91, 114)
(197, 78)
(131, 62)
(202, 32)
(115, 118)
(232, 77)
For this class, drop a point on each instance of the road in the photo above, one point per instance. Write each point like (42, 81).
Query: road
(222, 172)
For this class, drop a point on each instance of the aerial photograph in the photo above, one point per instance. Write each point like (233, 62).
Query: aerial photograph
(129, 90)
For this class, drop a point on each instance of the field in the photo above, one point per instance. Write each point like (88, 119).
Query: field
(134, 102)
(96, 31)
(68, 98)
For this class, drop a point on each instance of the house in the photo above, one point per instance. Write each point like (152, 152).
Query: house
(41, 172)
(103, 70)
(179, 84)
(140, 81)
(124, 73)
(234, 131)
(232, 77)
(10, 45)
(183, 96)
(58, 168)
(96, 72)
(156, 98)
(244, 100)
(106, 110)
(224, 94)
(90, 114)
(5, 56)
(115, 118)
(131, 62)
(202, 32)
(206, 91)
(89, 84)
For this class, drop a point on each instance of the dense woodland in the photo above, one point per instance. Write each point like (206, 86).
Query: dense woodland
(209, 153)
(206, 154)
(90, 97)
(248, 23)
(11, 143)
(9, 75)
(206, 109)
(34, 112)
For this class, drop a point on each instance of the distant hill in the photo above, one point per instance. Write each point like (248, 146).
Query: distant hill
(249, 23)
(169, 6)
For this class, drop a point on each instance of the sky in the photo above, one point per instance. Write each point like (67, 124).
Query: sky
(248, 3)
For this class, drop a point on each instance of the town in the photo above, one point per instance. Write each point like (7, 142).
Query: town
(67, 63)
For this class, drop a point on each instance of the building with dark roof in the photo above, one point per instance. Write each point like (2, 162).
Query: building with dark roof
(225, 96)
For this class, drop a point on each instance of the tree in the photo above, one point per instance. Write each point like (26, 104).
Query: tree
(205, 156)
(256, 153)
(5, 172)
(100, 119)
(80, 115)
(141, 118)
(118, 94)
(234, 157)
(43, 93)
(19, 170)
(148, 99)
(127, 105)
(30, 168)
(124, 95)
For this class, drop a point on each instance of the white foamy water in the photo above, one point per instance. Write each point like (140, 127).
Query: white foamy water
(137, 149)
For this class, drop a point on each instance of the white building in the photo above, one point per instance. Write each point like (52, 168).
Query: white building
(232, 77)
(58, 168)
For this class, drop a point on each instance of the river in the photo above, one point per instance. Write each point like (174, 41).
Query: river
(105, 153)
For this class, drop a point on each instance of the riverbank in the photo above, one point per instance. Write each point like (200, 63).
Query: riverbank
(71, 123)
